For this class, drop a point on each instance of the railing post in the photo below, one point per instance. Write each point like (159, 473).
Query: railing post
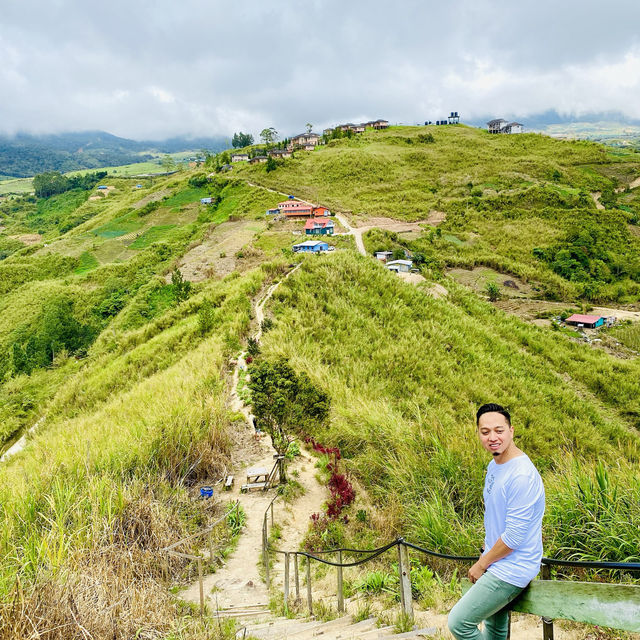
(340, 587)
(404, 569)
(265, 544)
(547, 625)
(286, 579)
(309, 599)
(211, 547)
(297, 576)
(272, 514)
(201, 587)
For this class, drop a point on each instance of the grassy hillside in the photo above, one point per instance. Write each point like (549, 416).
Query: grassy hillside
(522, 204)
(127, 367)
(405, 373)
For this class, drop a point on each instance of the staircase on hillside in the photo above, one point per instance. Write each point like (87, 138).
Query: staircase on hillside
(342, 628)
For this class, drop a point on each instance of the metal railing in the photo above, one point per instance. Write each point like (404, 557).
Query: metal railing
(207, 531)
(404, 567)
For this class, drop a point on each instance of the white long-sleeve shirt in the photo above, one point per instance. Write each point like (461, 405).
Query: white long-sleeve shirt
(514, 506)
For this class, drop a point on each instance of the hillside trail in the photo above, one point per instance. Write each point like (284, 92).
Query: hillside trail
(238, 585)
(596, 198)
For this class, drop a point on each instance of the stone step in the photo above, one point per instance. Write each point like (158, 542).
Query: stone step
(281, 630)
(375, 634)
(417, 633)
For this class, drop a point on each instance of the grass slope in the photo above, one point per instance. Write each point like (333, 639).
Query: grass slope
(405, 373)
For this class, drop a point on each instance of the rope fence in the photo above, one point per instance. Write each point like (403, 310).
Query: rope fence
(404, 566)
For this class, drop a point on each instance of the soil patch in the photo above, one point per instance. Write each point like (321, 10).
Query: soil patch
(154, 197)
(411, 278)
(29, 238)
(216, 255)
(478, 278)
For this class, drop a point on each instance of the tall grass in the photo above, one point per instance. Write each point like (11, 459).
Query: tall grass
(405, 373)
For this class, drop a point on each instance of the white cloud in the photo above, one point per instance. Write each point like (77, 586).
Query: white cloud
(153, 69)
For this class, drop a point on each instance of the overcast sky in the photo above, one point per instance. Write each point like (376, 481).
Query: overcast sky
(156, 68)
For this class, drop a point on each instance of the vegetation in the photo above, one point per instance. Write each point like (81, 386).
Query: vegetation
(121, 356)
(407, 371)
(513, 203)
(240, 140)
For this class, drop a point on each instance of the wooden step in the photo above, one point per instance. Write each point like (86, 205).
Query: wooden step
(417, 633)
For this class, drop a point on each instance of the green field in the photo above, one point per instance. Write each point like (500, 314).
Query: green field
(132, 373)
(153, 234)
(18, 186)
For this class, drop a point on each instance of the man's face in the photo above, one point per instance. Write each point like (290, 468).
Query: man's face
(495, 433)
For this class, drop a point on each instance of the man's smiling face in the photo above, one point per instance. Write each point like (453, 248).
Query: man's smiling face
(495, 433)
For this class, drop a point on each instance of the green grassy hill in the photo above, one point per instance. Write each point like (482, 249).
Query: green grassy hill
(509, 202)
(129, 370)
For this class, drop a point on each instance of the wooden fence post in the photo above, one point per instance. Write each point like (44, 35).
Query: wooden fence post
(286, 579)
(340, 587)
(265, 544)
(201, 587)
(309, 599)
(547, 625)
(272, 514)
(211, 547)
(297, 576)
(404, 570)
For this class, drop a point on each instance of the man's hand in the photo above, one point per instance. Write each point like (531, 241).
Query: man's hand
(476, 572)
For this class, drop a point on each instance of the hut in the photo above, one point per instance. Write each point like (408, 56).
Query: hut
(585, 321)
(311, 246)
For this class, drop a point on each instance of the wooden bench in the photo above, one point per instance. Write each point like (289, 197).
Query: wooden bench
(253, 485)
(616, 606)
(228, 483)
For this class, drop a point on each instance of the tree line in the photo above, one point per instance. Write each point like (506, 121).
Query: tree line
(53, 182)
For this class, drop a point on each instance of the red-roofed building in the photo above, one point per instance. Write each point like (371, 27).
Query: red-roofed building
(321, 211)
(587, 321)
(319, 227)
(293, 208)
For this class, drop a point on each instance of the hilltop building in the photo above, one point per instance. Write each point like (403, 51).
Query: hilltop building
(585, 321)
(311, 246)
(239, 157)
(500, 125)
(306, 141)
(400, 265)
(258, 159)
(319, 227)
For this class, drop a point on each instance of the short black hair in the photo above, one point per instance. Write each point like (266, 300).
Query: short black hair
(492, 407)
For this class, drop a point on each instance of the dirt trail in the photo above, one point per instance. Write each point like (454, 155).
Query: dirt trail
(238, 585)
(596, 198)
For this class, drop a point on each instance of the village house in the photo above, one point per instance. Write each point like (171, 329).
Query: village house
(328, 131)
(321, 211)
(502, 126)
(258, 159)
(319, 227)
(305, 140)
(399, 265)
(206, 200)
(280, 153)
(226, 167)
(311, 246)
(379, 124)
(585, 321)
(295, 208)
(383, 256)
(239, 157)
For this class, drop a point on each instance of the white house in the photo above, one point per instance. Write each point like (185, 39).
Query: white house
(399, 265)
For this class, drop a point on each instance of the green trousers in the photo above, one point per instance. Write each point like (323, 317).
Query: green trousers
(485, 601)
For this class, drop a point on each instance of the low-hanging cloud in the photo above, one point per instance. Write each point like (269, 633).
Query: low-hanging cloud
(154, 69)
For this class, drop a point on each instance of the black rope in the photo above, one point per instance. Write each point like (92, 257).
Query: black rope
(618, 566)
(375, 554)
(435, 554)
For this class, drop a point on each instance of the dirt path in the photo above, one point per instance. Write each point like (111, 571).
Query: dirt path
(238, 584)
(596, 198)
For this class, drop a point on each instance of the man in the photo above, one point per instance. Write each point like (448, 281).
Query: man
(514, 506)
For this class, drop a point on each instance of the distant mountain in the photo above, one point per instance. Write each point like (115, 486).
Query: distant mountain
(24, 155)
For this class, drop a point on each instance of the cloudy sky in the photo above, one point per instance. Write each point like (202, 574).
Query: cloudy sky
(156, 68)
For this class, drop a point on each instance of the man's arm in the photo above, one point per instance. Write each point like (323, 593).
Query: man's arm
(497, 552)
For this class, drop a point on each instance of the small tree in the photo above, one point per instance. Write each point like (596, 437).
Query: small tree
(269, 135)
(493, 291)
(181, 287)
(309, 127)
(271, 164)
(284, 401)
(168, 163)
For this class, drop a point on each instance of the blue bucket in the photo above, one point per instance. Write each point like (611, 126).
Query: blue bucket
(206, 492)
